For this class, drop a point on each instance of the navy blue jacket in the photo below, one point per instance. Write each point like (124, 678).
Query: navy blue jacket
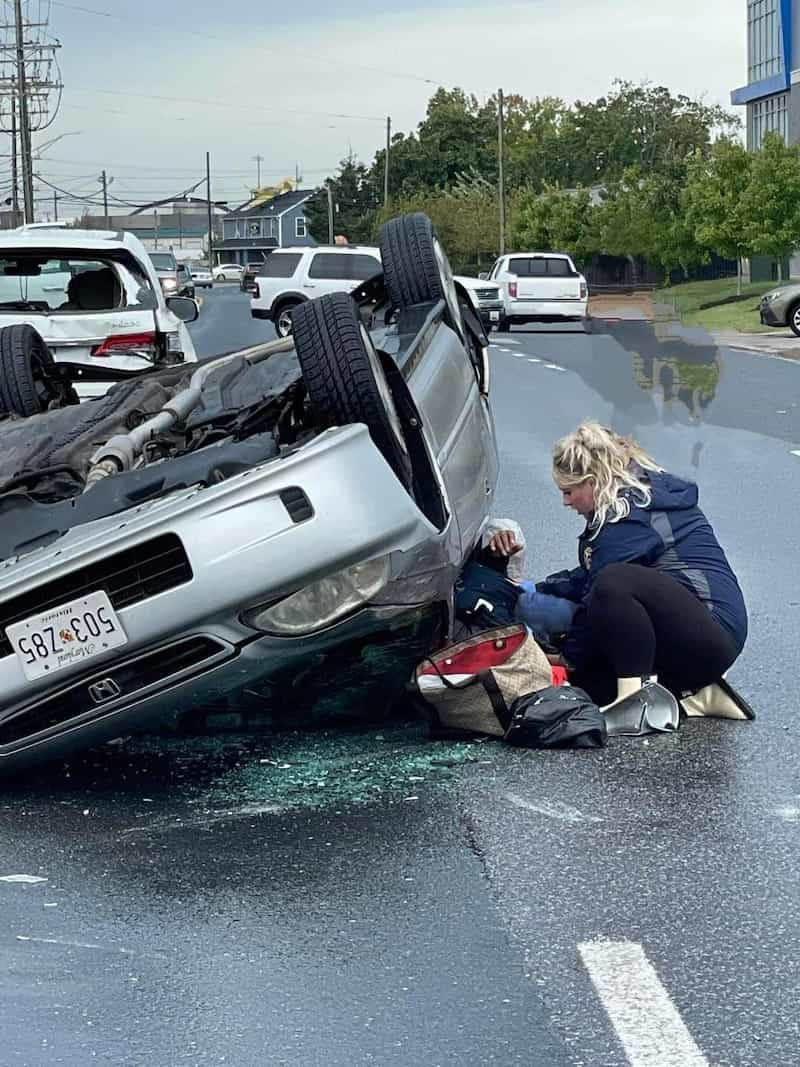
(672, 535)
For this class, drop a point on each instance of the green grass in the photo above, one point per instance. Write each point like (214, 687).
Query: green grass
(742, 316)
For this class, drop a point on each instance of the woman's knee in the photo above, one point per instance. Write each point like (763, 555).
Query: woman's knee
(615, 580)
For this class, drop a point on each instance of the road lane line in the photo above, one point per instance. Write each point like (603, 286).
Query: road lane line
(795, 452)
(532, 360)
(554, 366)
(641, 1011)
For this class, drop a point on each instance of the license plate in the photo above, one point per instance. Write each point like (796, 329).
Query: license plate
(71, 633)
(494, 316)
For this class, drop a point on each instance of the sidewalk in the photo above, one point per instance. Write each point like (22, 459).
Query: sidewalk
(777, 343)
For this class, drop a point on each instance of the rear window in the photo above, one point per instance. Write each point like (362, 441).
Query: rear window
(76, 283)
(343, 267)
(163, 260)
(280, 266)
(541, 266)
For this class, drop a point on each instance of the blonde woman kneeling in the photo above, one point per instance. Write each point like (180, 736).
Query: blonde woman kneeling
(656, 592)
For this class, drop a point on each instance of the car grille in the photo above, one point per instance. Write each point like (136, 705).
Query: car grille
(487, 294)
(127, 577)
(130, 678)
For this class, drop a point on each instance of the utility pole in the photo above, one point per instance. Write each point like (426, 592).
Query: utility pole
(296, 176)
(210, 216)
(24, 121)
(55, 206)
(330, 214)
(104, 183)
(386, 167)
(14, 174)
(259, 160)
(501, 177)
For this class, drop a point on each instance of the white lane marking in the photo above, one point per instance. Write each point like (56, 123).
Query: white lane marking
(553, 366)
(553, 809)
(24, 879)
(789, 813)
(508, 341)
(519, 355)
(532, 360)
(795, 452)
(640, 1009)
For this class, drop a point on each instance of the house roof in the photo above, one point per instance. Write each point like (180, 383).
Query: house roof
(271, 208)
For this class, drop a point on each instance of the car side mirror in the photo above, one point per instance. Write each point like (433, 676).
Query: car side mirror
(484, 277)
(184, 308)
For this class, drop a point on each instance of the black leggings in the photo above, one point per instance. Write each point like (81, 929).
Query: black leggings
(644, 622)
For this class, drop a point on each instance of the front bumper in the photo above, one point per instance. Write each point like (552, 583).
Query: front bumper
(261, 313)
(246, 548)
(771, 316)
(359, 665)
(491, 314)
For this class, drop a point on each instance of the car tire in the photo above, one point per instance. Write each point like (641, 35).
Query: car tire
(504, 326)
(26, 385)
(415, 267)
(344, 377)
(282, 317)
(793, 319)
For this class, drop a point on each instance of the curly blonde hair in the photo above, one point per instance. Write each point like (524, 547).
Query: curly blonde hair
(617, 465)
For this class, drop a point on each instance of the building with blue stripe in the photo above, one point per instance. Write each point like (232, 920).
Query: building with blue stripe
(773, 70)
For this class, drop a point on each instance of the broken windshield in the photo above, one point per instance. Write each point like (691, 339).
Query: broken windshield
(71, 283)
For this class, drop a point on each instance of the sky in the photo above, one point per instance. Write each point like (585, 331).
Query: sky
(149, 86)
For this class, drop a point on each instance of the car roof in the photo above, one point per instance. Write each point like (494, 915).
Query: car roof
(539, 255)
(343, 249)
(58, 237)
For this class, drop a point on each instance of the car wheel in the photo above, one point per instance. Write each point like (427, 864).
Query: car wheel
(504, 326)
(283, 317)
(27, 383)
(415, 267)
(344, 377)
(794, 319)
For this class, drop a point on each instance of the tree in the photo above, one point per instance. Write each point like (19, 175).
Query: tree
(354, 204)
(715, 205)
(771, 202)
(637, 126)
(555, 219)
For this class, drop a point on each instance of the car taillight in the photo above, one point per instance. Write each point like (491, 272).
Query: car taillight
(584, 290)
(120, 341)
(512, 290)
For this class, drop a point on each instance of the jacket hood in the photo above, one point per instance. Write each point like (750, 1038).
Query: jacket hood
(671, 493)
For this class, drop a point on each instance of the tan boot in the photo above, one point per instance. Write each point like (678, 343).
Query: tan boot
(719, 700)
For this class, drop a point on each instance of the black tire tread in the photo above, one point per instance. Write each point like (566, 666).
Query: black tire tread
(338, 375)
(410, 269)
(18, 345)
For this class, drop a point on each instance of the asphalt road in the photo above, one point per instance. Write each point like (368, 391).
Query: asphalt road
(375, 899)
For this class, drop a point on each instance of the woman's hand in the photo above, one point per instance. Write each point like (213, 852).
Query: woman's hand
(504, 543)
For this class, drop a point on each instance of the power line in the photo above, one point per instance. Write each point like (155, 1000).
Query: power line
(286, 51)
(224, 103)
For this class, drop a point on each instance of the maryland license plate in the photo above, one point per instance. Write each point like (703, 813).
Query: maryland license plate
(60, 637)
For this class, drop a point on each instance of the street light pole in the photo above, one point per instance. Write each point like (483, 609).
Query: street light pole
(501, 177)
(386, 167)
(259, 160)
(55, 206)
(14, 173)
(210, 217)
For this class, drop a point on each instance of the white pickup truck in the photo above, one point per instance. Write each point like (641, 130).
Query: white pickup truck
(540, 287)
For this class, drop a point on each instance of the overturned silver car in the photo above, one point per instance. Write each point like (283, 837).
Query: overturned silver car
(258, 528)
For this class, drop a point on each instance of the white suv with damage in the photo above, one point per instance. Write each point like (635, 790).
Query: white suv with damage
(95, 300)
(540, 287)
(290, 276)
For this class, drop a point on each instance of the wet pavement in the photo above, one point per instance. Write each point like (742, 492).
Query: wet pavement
(359, 898)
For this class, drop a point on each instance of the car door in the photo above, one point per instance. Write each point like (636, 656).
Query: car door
(336, 272)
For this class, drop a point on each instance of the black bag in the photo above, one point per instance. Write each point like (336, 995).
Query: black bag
(559, 716)
(484, 599)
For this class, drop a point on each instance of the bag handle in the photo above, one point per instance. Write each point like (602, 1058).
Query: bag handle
(496, 699)
(446, 682)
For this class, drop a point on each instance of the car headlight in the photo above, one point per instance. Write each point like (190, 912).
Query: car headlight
(769, 297)
(322, 603)
(169, 283)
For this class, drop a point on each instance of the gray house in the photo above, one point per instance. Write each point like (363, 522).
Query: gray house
(252, 231)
